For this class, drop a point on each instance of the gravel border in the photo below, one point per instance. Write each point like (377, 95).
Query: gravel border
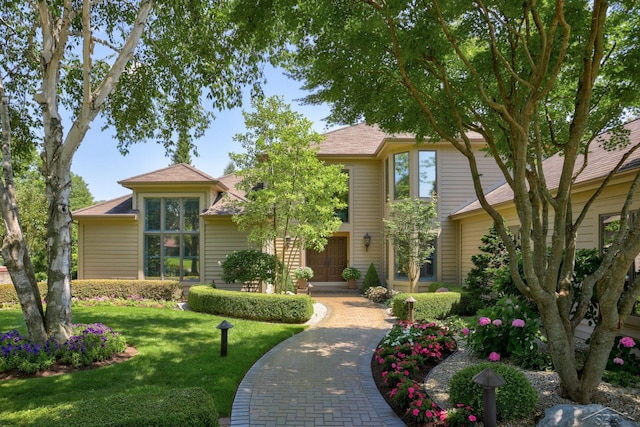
(625, 400)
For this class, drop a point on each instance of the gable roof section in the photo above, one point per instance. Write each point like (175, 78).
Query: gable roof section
(358, 140)
(600, 163)
(120, 207)
(174, 175)
(221, 205)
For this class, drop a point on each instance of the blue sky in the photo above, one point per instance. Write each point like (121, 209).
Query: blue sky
(101, 165)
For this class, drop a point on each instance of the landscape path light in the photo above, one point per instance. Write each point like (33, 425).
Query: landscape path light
(489, 380)
(410, 301)
(224, 326)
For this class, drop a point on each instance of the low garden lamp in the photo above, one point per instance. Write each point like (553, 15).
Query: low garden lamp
(224, 326)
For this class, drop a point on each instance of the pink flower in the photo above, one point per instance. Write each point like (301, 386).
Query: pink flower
(494, 357)
(518, 323)
(416, 412)
(627, 342)
(465, 331)
(497, 322)
(419, 403)
(472, 418)
(484, 321)
(429, 414)
(618, 361)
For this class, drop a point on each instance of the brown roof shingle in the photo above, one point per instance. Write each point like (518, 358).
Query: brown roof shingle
(175, 174)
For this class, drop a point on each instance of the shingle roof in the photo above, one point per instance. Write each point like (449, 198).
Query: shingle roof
(359, 140)
(600, 163)
(179, 174)
(122, 206)
(221, 205)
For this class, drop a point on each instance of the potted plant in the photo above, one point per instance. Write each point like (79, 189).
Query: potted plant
(302, 274)
(351, 274)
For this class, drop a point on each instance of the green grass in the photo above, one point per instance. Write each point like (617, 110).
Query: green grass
(176, 349)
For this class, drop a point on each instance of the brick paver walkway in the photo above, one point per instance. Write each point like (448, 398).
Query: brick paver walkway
(322, 376)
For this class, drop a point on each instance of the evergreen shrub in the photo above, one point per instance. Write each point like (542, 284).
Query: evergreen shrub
(516, 399)
(252, 306)
(428, 306)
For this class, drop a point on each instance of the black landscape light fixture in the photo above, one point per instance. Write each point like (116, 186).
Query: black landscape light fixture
(224, 326)
(489, 380)
(367, 241)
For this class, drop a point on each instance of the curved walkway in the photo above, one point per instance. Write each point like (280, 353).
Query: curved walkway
(322, 376)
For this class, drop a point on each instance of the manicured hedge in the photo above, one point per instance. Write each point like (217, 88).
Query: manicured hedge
(428, 306)
(188, 407)
(249, 305)
(167, 290)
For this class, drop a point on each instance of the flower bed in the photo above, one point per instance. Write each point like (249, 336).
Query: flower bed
(88, 344)
(400, 364)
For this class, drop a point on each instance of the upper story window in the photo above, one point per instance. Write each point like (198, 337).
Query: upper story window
(427, 173)
(401, 176)
(343, 214)
(172, 238)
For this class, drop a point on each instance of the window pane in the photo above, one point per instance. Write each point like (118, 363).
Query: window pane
(171, 248)
(152, 257)
(152, 215)
(343, 214)
(191, 257)
(191, 215)
(401, 168)
(171, 214)
(427, 160)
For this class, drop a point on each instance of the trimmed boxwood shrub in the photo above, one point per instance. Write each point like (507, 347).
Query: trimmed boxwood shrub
(189, 407)
(428, 306)
(516, 399)
(252, 306)
(371, 279)
(161, 290)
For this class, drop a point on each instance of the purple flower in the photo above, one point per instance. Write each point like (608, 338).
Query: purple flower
(618, 361)
(497, 322)
(518, 323)
(465, 331)
(494, 357)
(484, 321)
(627, 342)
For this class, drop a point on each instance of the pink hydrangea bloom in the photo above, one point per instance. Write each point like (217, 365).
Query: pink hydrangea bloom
(627, 342)
(497, 322)
(484, 321)
(518, 323)
(465, 331)
(494, 357)
(618, 361)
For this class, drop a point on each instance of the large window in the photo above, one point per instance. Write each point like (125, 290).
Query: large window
(427, 270)
(343, 214)
(172, 238)
(609, 225)
(427, 173)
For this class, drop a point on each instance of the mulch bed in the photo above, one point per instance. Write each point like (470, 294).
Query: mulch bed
(59, 369)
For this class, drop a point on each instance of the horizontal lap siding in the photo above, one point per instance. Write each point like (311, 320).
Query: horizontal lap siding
(455, 188)
(108, 250)
(221, 237)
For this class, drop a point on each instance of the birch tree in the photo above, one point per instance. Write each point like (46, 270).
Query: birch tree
(533, 78)
(148, 67)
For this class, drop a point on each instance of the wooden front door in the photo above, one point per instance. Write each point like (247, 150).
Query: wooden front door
(327, 265)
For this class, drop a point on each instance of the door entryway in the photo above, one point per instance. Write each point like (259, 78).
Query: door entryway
(327, 265)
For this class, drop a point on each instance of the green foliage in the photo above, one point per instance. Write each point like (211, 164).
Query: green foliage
(429, 306)
(161, 290)
(253, 306)
(351, 273)
(287, 183)
(249, 265)
(509, 328)
(379, 294)
(516, 399)
(409, 230)
(371, 279)
(148, 407)
(303, 273)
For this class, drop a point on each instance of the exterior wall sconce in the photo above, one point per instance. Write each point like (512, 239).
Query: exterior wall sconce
(367, 241)
(288, 241)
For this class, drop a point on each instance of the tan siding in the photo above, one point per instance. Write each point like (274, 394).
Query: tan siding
(108, 250)
(221, 237)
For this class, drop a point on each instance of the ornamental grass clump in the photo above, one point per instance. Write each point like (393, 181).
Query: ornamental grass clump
(89, 343)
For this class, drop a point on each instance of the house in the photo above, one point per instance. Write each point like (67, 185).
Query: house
(599, 223)
(175, 223)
